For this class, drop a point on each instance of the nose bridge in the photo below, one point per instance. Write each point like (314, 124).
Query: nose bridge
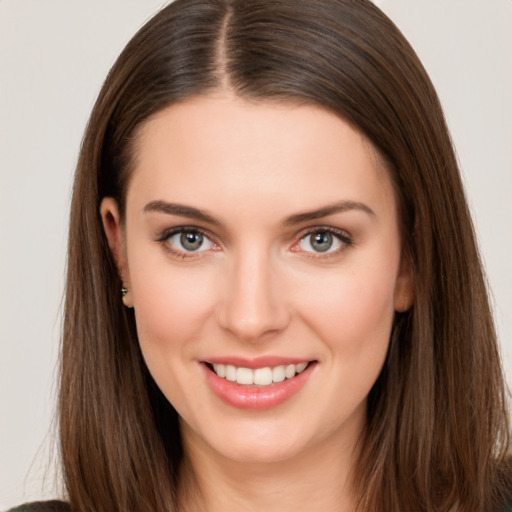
(254, 304)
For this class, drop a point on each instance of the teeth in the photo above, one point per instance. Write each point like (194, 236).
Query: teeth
(259, 377)
(289, 371)
(301, 367)
(263, 376)
(231, 373)
(244, 376)
(278, 374)
(220, 370)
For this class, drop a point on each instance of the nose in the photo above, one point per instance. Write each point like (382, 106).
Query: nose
(254, 305)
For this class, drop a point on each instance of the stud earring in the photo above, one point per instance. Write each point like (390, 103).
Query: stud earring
(124, 291)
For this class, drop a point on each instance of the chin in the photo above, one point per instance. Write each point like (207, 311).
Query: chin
(264, 452)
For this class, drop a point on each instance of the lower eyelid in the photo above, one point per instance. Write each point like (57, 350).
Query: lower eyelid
(342, 238)
(165, 237)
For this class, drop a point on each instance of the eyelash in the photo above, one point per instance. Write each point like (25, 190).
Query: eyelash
(163, 239)
(342, 236)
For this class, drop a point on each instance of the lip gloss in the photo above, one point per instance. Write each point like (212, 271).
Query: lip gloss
(253, 397)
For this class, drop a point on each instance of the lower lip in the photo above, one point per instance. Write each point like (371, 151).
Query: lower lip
(256, 398)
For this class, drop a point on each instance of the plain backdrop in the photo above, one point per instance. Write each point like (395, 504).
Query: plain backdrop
(54, 55)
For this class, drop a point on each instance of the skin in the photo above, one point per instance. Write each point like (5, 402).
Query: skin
(257, 287)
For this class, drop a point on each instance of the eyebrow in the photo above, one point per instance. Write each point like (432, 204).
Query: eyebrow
(340, 207)
(197, 214)
(181, 210)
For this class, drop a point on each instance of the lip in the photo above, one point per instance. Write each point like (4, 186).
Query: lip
(256, 398)
(257, 362)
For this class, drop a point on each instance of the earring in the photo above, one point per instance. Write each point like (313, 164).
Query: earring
(124, 291)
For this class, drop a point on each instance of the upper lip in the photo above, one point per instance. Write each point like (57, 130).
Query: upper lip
(257, 362)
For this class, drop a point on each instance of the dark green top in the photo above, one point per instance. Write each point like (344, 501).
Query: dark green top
(59, 506)
(42, 506)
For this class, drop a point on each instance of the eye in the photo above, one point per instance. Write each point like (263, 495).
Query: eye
(323, 241)
(188, 240)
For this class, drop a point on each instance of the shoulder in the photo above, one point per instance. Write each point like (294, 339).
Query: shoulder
(42, 506)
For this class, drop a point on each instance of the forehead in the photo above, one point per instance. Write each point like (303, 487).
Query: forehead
(226, 150)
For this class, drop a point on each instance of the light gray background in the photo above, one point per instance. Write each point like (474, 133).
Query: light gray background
(54, 55)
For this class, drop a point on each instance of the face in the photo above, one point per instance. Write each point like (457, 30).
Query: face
(262, 256)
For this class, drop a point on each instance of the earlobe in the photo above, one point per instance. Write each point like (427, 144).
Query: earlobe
(111, 220)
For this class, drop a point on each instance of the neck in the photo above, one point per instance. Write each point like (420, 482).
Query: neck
(315, 480)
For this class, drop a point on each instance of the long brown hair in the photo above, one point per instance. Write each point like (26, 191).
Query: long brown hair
(437, 432)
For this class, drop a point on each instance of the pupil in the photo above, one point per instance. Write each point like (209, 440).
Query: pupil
(191, 241)
(321, 242)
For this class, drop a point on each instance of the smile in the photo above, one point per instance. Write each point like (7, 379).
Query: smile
(266, 385)
(259, 376)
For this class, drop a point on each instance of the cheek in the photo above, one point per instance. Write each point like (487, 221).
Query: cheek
(353, 312)
(171, 305)
(353, 318)
(171, 309)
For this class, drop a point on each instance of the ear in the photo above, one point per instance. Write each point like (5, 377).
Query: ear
(404, 289)
(111, 219)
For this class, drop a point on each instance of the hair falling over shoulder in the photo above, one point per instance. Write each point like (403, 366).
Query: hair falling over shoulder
(437, 435)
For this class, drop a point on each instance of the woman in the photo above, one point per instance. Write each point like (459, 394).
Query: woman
(303, 323)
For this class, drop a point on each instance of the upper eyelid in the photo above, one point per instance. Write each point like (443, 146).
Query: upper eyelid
(162, 238)
(167, 233)
(342, 233)
(343, 236)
